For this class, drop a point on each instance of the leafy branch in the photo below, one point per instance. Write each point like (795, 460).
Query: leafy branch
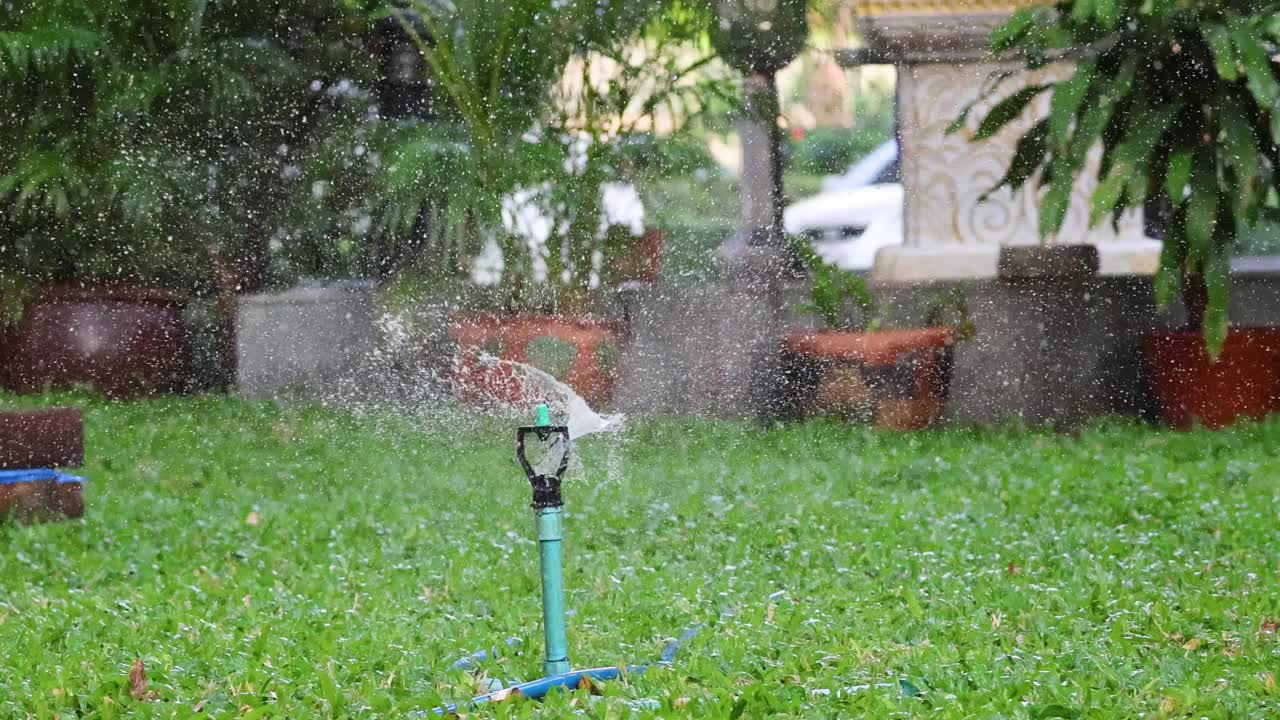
(1184, 100)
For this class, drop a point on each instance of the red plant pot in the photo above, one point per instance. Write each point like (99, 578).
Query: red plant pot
(122, 341)
(587, 363)
(642, 260)
(897, 378)
(1243, 383)
(41, 500)
(32, 442)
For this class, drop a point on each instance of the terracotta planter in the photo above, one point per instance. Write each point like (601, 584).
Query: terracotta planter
(897, 379)
(43, 499)
(1243, 383)
(581, 353)
(31, 442)
(121, 341)
(642, 261)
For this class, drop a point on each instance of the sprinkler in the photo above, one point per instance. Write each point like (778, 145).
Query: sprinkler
(548, 510)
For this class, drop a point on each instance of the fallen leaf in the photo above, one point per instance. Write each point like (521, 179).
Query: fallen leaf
(138, 680)
(1268, 626)
(1192, 644)
(769, 610)
(1269, 682)
(1014, 570)
(1167, 705)
(682, 701)
(253, 518)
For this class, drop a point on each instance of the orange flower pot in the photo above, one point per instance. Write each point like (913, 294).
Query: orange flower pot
(123, 341)
(1244, 382)
(582, 353)
(897, 379)
(31, 441)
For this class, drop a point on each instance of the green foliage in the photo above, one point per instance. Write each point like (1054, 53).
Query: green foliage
(756, 37)
(152, 134)
(609, 358)
(823, 151)
(668, 156)
(834, 292)
(1118, 572)
(528, 114)
(1184, 98)
(551, 355)
(832, 289)
(830, 150)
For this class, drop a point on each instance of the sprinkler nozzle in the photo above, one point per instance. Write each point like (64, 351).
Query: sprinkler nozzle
(546, 486)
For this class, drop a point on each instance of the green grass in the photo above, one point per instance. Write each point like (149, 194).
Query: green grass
(841, 572)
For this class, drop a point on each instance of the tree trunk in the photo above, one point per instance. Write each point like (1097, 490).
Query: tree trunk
(1196, 298)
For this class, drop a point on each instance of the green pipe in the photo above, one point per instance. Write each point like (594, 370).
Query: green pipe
(550, 533)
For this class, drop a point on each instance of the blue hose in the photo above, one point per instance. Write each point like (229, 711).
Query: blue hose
(469, 662)
(14, 477)
(537, 689)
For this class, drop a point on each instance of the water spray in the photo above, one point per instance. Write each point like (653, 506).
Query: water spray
(548, 509)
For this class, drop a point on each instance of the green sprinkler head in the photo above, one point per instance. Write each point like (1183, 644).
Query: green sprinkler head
(546, 485)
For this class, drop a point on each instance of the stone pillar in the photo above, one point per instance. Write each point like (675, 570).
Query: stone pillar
(1049, 346)
(950, 232)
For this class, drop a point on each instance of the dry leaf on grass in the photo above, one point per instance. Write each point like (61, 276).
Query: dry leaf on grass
(138, 682)
(253, 518)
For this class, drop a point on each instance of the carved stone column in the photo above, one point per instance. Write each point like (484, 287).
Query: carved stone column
(950, 232)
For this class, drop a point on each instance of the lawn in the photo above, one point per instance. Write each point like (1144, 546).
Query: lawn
(295, 562)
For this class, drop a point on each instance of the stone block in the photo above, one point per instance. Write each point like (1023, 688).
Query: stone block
(302, 339)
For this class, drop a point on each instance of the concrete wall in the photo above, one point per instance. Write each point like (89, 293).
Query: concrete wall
(1057, 352)
(1045, 352)
(1041, 352)
(301, 340)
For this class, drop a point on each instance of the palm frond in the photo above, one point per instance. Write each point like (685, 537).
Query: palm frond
(43, 184)
(46, 50)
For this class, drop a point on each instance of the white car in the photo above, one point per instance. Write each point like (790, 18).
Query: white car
(848, 227)
(856, 213)
(879, 167)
